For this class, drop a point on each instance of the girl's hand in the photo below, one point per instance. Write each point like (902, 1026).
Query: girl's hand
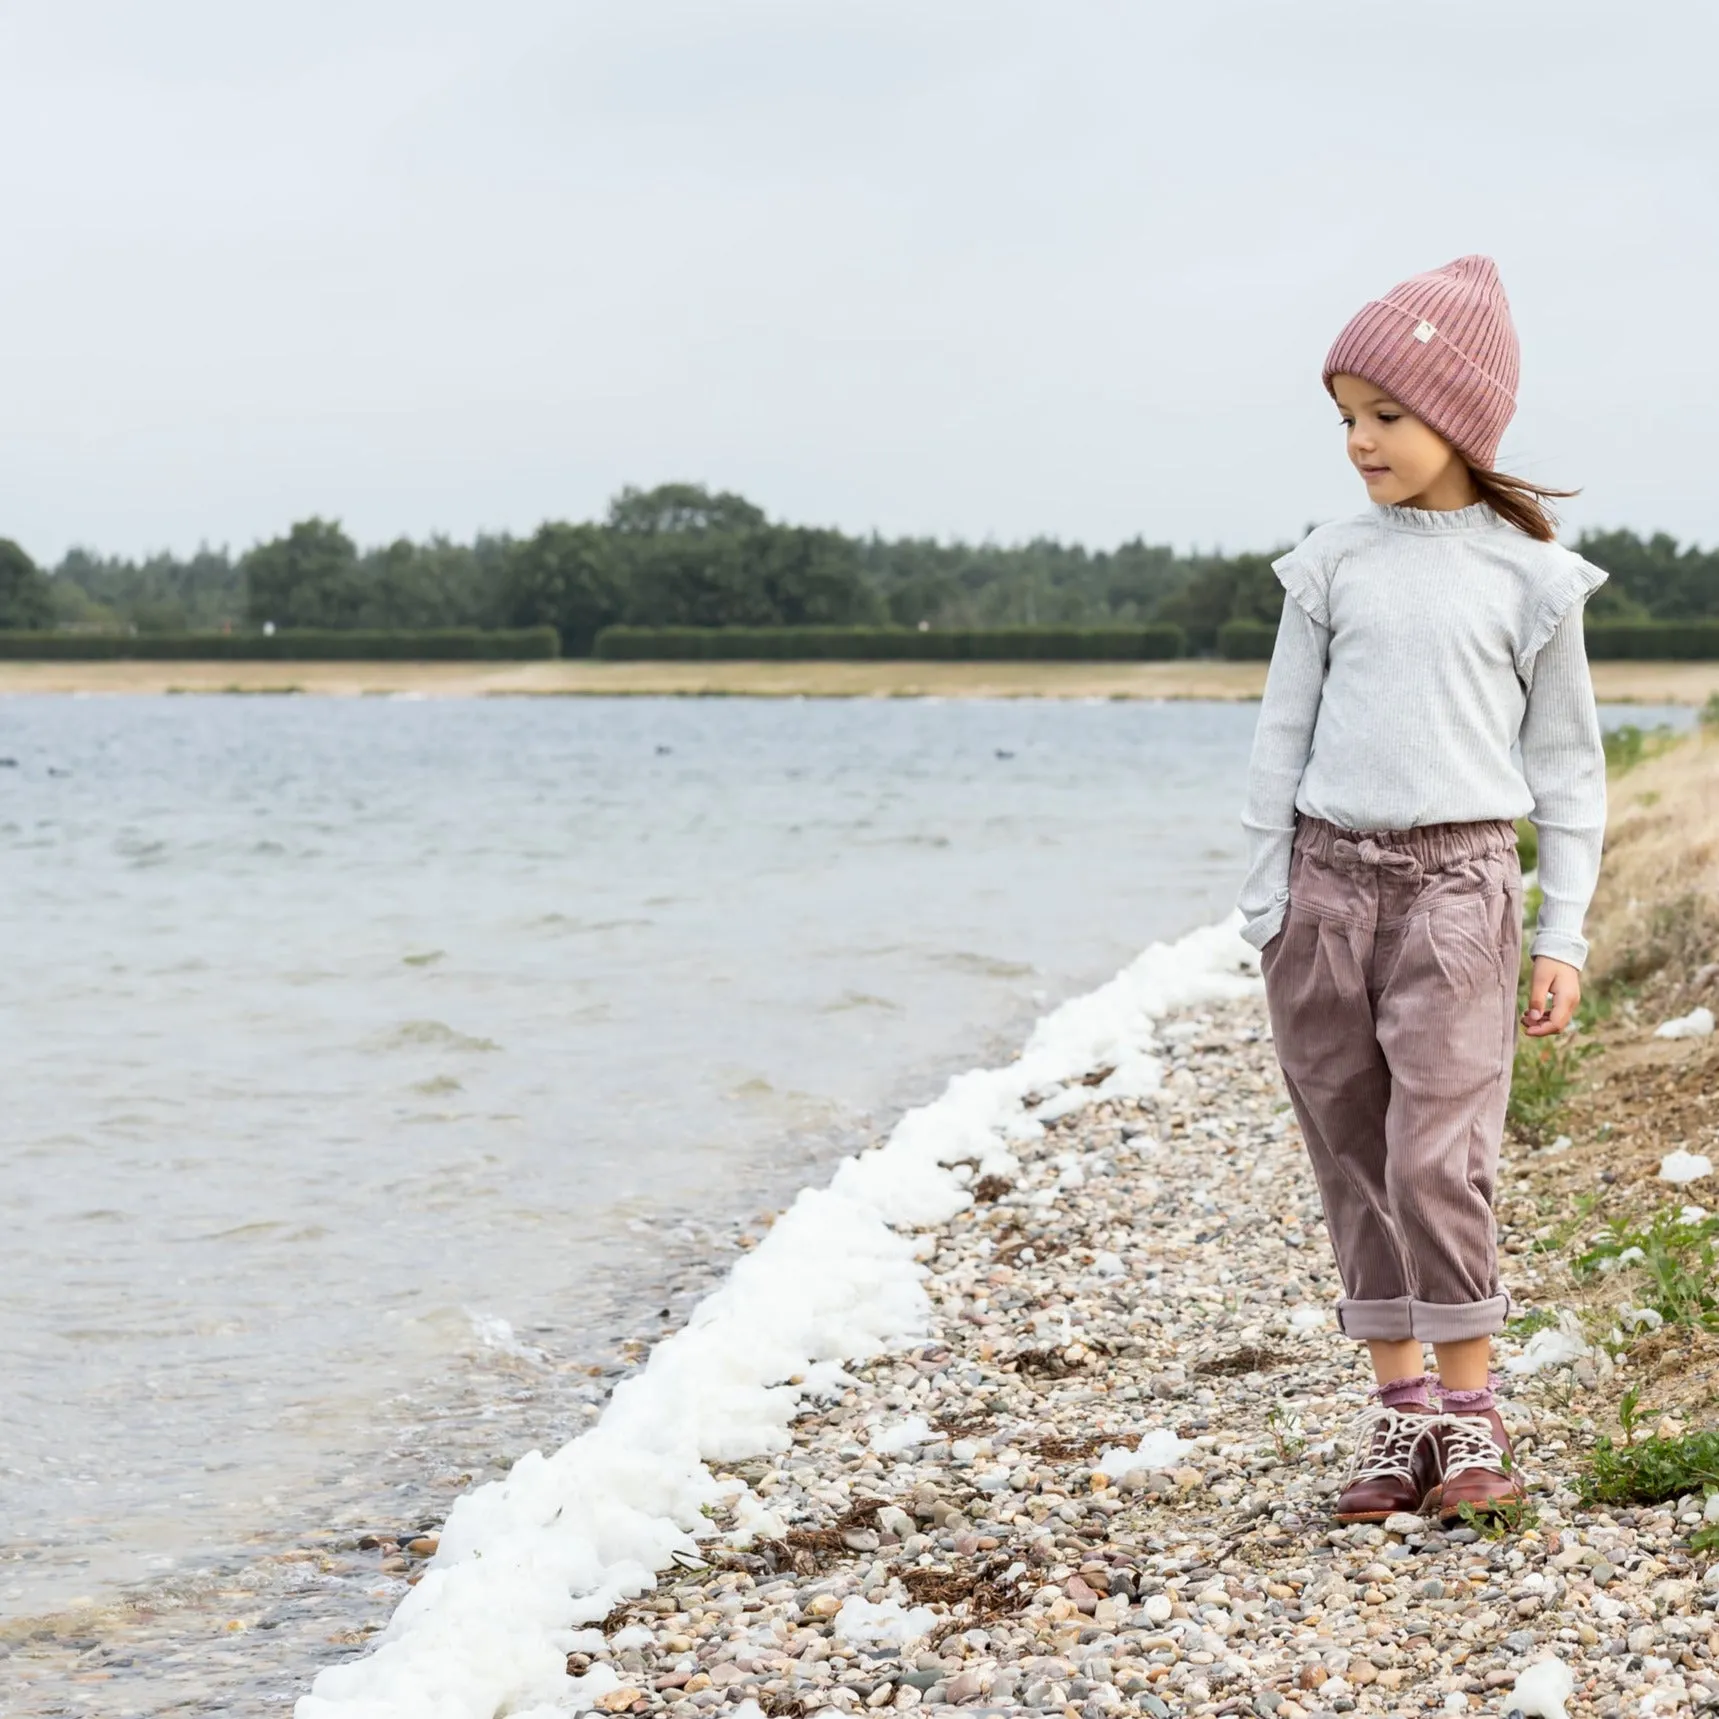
(1553, 993)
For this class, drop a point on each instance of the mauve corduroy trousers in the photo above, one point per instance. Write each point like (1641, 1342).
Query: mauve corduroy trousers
(1392, 990)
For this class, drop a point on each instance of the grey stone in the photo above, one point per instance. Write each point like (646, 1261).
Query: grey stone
(892, 1519)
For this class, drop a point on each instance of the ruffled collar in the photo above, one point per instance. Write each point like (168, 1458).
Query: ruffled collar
(1477, 517)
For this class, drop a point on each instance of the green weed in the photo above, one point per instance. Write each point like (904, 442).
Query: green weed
(1705, 1539)
(1677, 1260)
(1285, 1433)
(1654, 1470)
(1600, 1003)
(1651, 1472)
(1525, 1325)
(1629, 1411)
(1708, 716)
(1500, 1520)
(1541, 1082)
(1559, 1239)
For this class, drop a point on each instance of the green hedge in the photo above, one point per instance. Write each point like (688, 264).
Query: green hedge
(890, 644)
(452, 644)
(1653, 641)
(1246, 641)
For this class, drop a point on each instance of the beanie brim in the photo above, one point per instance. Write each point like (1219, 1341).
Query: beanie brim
(1442, 346)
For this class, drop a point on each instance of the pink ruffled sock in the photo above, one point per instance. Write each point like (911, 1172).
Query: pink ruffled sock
(1404, 1393)
(1469, 1402)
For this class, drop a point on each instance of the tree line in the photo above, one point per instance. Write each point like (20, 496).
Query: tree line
(680, 555)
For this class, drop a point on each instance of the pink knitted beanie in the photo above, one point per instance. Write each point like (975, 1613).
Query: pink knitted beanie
(1443, 345)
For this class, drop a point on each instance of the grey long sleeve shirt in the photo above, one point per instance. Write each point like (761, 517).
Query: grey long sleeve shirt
(1430, 669)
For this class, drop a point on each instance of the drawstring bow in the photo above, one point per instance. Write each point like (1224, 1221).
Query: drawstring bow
(1352, 856)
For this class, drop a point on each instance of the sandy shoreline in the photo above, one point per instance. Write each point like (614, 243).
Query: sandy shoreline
(1614, 682)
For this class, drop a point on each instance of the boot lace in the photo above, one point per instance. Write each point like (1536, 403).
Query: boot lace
(1385, 1444)
(1469, 1442)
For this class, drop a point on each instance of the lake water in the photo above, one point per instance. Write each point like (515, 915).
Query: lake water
(340, 1031)
(354, 1047)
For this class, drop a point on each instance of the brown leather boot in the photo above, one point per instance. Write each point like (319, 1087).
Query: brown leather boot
(1473, 1452)
(1394, 1465)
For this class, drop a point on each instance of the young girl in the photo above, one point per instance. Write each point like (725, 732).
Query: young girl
(1428, 687)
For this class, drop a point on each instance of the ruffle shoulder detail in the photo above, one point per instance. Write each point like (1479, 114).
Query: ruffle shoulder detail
(1306, 571)
(1568, 583)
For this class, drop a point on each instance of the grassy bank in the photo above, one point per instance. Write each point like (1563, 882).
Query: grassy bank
(1602, 1245)
(1615, 682)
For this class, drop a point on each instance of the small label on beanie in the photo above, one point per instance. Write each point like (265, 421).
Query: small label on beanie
(1425, 332)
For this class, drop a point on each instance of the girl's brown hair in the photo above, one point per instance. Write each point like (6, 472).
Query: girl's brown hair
(1520, 502)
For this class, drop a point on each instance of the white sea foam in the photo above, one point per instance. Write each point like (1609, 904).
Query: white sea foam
(1682, 1168)
(903, 1435)
(1554, 1346)
(864, 1623)
(753, 1520)
(1697, 1024)
(1542, 1689)
(1159, 1447)
(525, 1561)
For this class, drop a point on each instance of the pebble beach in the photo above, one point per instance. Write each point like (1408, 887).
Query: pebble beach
(1173, 1291)
(1100, 1480)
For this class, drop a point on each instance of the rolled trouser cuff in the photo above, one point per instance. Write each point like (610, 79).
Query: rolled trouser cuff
(1448, 1322)
(1403, 1319)
(1378, 1321)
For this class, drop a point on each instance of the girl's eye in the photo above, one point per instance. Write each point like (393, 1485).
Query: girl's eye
(1389, 417)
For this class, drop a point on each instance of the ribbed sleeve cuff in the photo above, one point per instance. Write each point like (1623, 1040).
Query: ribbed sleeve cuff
(1260, 930)
(1567, 946)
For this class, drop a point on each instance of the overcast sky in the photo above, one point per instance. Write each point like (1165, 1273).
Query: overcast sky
(962, 267)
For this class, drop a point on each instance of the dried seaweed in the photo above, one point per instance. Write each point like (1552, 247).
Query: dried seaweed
(966, 1426)
(975, 1590)
(807, 1551)
(1071, 1449)
(1095, 1077)
(1250, 1358)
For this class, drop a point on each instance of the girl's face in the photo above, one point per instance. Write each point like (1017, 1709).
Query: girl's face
(1402, 461)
